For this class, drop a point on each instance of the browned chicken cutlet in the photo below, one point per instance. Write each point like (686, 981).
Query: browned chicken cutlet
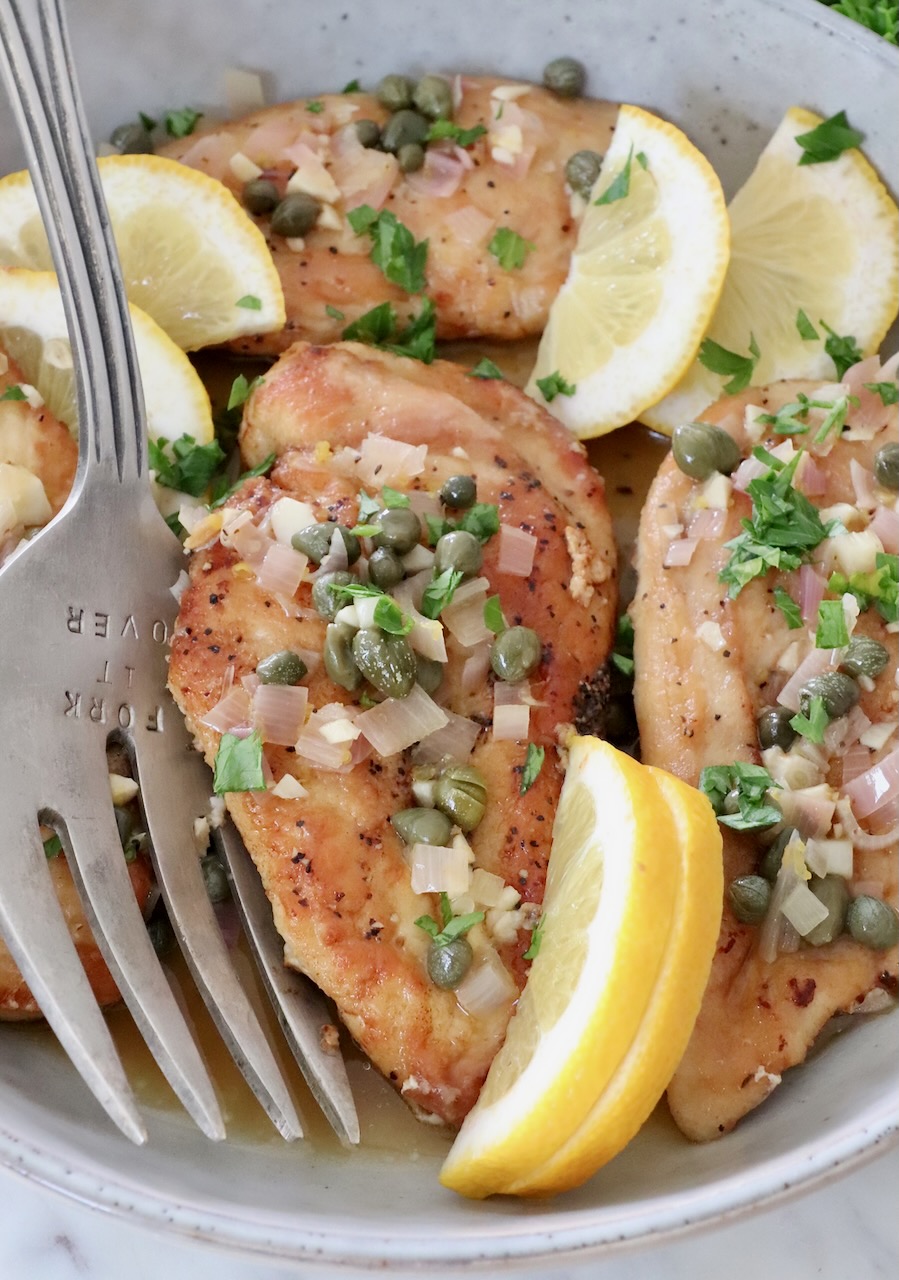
(475, 296)
(697, 703)
(331, 863)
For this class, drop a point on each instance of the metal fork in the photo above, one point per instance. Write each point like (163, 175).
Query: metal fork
(86, 611)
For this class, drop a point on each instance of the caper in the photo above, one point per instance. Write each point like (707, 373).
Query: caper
(386, 661)
(125, 823)
(395, 92)
(832, 893)
(872, 922)
(160, 933)
(283, 667)
(217, 887)
(565, 76)
(774, 728)
(774, 854)
(422, 826)
(328, 603)
(296, 214)
(315, 541)
(582, 170)
(700, 449)
(459, 492)
(385, 568)
(368, 132)
(338, 658)
(433, 97)
(403, 128)
(459, 550)
(731, 802)
(411, 157)
(749, 897)
(886, 466)
(260, 195)
(515, 653)
(132, 140)
(400, 529)
(864, 657)
(429, 673)
(447, 965)
(461, 793)
(839, 694)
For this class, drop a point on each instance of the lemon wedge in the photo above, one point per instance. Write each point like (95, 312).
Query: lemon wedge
(631, 916)
(33, 332)
(643, 282)
(821, 238)
(192, 258)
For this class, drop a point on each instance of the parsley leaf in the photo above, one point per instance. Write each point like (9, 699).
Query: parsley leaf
(807, 330)
(13, 393)
(439, 592)
(555, 385)
(493, 615)
(390, 617)
(730, 364)
(452, 927)
(879, 16)
(877, 587)
(748, 786)
(448, 129)
(828, 140)
(352, 86)
(843, 351)
(147, 121)
(222, 491)
(622, 655)
(642, 159)
(482, 520)
(395, 250)
(509, 248)
(250, 302)
(315, 107)
(238, 764)
(888, 391)
(536, 939)
(52, 846)
(788, 607)
(241, 390)
(813, 725)
(887, 565)
(533, 763)
(368, 506)
(393, 498)
(180, 124)
(352, 589)
(487, 369)
(621, 185)
(334, 313)
(832, 632)
(190, 467)
(378, 328)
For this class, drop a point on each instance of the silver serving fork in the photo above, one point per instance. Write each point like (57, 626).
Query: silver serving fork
(86, 611)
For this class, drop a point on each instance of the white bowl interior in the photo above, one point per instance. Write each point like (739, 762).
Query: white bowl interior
(725, 70)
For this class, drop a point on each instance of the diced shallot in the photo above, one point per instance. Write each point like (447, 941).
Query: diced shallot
(279, 711)
(812, 586)
(475, 667)
(516, 551)
(855, 761)
(440, 175)
(438, 869)
(843, 733)
(469, 225)
(336, 558)
(424, 503)
(487, 986)
(397, 723)
(511, 722)
(829, 857)
(680, 552)
(886, 525)
(877, 787)
(863, 484)
(707, 523)
(289, 788)
(383, 460)
(814, 664)
(803, 909)
(749, 469)
(810, 810)
(464, 618)
(250, 543)
(456, 739)
(282, 569)
(812, 479)
(230, 712)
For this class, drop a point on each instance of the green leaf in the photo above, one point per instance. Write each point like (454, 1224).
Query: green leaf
(888, 391)
(184, 465)
(813, 725)
(175, 524)
(437, 526)
(439, 592)
(441, 129)
(390, 617)
(751, 783)
(147, 121)
(536, 939)
(368, 506)
(365, 530)
(730, 364)
(429, 926)
(395, 250)
(375, 327)
(620, 186)
(334, 313)
(832, 632)
(879, 16)
(452, 926)
(238, 764)
(250, 302)
(353, 589)
(875, 588)
(807, 330)
(533, 763)
(555, 385)
(315, 107)
(180, 124)
(482, 520)
(642, 159)
(241, 390)
(52, 846)
(493, 615)
(221, 495)
(509, 248)
(843, 351)
(485, 369)
(622, 655)
(828, 140)
(835, 419)
(788, 607)
(418, 339)
(352, 86)
(392, 498)
(13, 393)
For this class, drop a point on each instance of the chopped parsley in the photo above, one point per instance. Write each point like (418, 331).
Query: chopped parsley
(747, 786)
(555, 385)
(832, 632)
(353, 589)
(878, 588)
(147, 121)
(395, 250)
(352, 86)
(620, 187)
(888, 391)
(368, 506)
(813, 725)
(393, 498)
(879, 16)
(250, 302)
(828, 140)
(334, 313)
(180, 124)
(622, 655)
(788, 607)
(315, 107)
(844, 351)
(533, 763)
(806, 329)
(238, 764)
(493, 615)
(642, 159)
(451, 927)
(378, 327)
(52, 846)
(13, 393)
(536, 939)
(241, 390)
(730, 364)
(441, 129)
(222, 491)
(509, 248)
(487, 369)
(482, 520)
(792, 419)
(390, 617)
(440, 591)
(184, 465)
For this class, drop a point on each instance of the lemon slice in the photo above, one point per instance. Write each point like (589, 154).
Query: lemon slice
(632, 910)
(643, 282)
(823, 238)
(191, 257)
(33, 332)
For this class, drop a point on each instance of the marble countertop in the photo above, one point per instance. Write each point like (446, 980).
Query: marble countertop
(847, 1227)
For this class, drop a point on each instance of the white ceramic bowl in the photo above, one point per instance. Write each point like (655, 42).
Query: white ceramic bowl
(725, 70)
